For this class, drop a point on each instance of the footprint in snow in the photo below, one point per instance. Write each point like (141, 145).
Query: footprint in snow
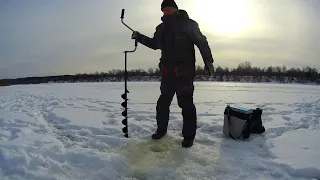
(111, 116)
(287, 118)
(285, 113)
(105, 110)
(153, 117)
(111, 121)
(269, 109)
(207, 114)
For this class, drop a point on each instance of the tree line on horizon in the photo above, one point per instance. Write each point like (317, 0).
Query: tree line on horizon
(245, 69)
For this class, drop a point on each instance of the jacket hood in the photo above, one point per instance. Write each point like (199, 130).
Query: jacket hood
(180, 14)
(183, 14)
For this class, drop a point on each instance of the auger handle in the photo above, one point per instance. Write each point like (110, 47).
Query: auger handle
(122, 14)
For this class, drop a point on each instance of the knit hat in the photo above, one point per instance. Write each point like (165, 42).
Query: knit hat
(168, 3)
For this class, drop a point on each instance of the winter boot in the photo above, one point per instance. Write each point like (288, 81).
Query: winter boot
(187, 142)
(158, 135)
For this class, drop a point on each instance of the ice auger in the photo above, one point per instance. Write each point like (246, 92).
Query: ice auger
(125, 96)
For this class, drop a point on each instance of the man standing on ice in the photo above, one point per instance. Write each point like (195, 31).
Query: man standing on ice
(176, 37)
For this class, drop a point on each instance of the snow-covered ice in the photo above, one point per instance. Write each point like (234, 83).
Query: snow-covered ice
(74, 131)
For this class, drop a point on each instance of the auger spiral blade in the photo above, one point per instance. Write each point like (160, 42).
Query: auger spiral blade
(124, 104)
(124, 97)
(125, 130)
(124, 113)
(125, 122)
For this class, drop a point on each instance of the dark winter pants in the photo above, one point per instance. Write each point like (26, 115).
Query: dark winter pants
(183, 88)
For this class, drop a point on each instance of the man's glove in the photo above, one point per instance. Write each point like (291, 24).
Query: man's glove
(209, 69)
(135, 35)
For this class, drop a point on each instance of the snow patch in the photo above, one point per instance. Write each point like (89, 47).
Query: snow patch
(73, 131)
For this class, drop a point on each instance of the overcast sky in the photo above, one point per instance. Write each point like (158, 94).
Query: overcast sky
(45, 37)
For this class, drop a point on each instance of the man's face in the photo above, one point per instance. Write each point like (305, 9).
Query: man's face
(169, 11)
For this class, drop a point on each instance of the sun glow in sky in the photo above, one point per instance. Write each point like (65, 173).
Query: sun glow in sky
(40, 38)
(227, 17)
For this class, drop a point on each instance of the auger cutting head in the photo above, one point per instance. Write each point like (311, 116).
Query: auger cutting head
(125, 129)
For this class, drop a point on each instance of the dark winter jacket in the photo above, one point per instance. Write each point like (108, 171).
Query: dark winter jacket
(176, 37)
